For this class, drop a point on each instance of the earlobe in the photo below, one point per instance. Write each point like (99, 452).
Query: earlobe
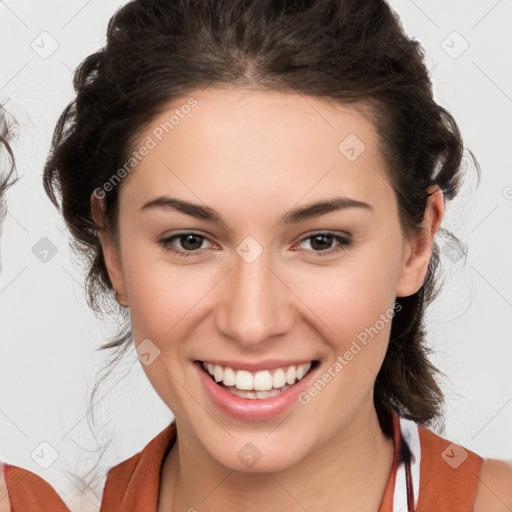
(418, 249)
(110, 252)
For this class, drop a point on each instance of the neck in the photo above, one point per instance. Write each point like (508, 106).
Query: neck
(348, 473)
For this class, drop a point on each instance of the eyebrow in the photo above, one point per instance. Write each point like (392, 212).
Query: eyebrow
(293, 216)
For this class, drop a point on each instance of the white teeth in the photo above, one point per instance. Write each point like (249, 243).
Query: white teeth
(218, 373)
(243, 393)
(262, 384)
(267, 394)
(252, 395)
(290, 375)
(302, 370)
(244, 379)
(278, 379)
(262, 381)
(229, 377)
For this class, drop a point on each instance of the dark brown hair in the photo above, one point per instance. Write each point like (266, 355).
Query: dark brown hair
(7, 156)
(348, 51)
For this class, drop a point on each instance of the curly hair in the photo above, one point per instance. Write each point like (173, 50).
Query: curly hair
(347, 51)
(6, 175)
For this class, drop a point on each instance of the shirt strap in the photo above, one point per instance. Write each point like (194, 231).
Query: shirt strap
(410, 436)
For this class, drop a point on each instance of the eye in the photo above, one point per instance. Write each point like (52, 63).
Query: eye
(190, 242)
(321, 243)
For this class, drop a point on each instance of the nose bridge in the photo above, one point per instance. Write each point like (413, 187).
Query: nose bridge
(255, 307)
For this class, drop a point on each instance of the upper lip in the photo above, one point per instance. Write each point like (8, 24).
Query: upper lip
(255, 366)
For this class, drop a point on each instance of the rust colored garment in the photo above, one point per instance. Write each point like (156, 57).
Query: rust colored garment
(133, 485)
(29, 492)
(446, 486)
(448, 479)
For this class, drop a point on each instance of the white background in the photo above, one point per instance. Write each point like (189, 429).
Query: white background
(48, 336)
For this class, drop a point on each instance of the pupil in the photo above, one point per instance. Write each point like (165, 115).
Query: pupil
(322, 237)
(186, 244)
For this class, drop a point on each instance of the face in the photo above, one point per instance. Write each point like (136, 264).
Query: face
(251, 280)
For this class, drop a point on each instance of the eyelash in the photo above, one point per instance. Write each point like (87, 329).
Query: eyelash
(343, 243)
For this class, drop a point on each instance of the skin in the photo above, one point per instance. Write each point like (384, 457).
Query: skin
(5, 506)
(252, 156)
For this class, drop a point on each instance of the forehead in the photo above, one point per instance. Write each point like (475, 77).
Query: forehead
(259, 143)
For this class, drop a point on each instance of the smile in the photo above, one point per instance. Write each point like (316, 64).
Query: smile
(257, 385)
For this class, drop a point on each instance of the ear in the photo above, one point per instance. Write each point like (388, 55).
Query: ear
(418, 249)
(111, 253)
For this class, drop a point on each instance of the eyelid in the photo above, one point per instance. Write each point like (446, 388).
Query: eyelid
(344, 241)
(331, 232)
(178, 234)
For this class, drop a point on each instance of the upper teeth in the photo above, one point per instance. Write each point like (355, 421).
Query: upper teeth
(258, 381)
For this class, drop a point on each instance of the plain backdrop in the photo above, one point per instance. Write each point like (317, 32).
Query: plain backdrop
(48, 336)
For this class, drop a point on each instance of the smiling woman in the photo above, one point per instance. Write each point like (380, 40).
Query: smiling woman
(260, 185)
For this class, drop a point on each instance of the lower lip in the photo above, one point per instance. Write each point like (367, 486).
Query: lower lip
(256, 409)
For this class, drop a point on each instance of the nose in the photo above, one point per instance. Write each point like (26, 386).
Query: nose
(255, 303)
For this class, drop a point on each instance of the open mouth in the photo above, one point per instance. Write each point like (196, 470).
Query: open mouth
(257, 385)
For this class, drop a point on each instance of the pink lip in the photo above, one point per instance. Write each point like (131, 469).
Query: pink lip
(254, 410)
(268, 364)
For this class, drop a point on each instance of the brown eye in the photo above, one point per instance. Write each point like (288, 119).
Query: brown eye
(322, 243)
(189, 243)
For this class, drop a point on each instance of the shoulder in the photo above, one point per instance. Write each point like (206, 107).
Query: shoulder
(5, 504)
(138, 477)
(22, 489)
(494, 490)
(450, 474)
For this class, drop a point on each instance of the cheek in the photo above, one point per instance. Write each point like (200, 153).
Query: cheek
(349, 298)
(153, 303)
(353, 304)
(163, 300)
(161, 294)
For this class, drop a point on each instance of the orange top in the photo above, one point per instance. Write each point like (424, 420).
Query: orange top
(449, 476)
(448, 480)
(28, 492)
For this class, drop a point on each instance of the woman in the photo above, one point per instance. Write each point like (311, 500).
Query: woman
(300, 147)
